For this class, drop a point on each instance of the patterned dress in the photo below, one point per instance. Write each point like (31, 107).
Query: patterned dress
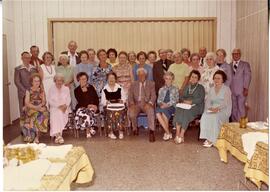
(207, 78)
(39, 119)
(123, 76)
(99, 78)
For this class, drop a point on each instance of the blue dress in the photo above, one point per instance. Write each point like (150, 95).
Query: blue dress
(169, 111)
(212, 122)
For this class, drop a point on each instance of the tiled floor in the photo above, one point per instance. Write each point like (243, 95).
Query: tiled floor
(136, 164)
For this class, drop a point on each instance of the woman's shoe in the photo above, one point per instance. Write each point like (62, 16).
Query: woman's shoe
(36, 140)
(205, 142)
(61, 140)
(209, 144)
(92, 131)
(112, 136)
(56, 140)
(88, 135)
(177, 140)
(121, 135)
(166, 136)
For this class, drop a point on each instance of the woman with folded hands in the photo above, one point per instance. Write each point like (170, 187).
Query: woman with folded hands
(218, 107)
(193, 99)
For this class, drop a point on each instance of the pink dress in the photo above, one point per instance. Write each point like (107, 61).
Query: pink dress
(58, 119)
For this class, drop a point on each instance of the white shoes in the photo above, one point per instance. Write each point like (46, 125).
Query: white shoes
(207, 144)
(166, 136)
(92, 131)
(88, 135)
(178, 140)
(112, 136)
(121, 135)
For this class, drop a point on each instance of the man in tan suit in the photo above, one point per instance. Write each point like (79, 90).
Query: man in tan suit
(142, 97)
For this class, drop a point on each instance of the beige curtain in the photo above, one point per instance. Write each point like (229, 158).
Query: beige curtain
(135, 35)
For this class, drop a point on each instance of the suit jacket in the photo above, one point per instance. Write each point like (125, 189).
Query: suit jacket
(241, 78)
(158, 73)
(78, 60)
(229, 72)
(22, 78)
(134, 90)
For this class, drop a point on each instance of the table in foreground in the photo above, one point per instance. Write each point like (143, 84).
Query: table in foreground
(77, 169)
(230, 139)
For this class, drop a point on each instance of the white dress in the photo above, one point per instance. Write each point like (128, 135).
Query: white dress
(48, 75)
(58, 119)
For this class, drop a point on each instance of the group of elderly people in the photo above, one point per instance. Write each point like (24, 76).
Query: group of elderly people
(179, 85)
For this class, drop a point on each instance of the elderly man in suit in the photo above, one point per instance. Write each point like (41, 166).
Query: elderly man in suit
(22, 77)
(241, 78)
(160, 67)
(202, 53)
(142, 97)
(74, 57)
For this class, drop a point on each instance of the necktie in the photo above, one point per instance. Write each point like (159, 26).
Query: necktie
(142, 92)
(164, 66)
(202, 62)
(235, 67)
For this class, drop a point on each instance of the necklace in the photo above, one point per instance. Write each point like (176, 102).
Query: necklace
(48, 70)
(190, 91)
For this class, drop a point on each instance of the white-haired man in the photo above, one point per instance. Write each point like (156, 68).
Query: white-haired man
(74, 57)
(142, 97)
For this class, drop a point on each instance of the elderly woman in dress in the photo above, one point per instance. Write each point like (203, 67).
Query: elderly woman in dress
(114, 93)
(59, 101)
(218, 107)
(87, 105)
(36, 113)
(168, 96)
(209, 71)
(193, 95)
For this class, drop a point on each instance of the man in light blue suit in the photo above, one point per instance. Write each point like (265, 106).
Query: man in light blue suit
(241, 79)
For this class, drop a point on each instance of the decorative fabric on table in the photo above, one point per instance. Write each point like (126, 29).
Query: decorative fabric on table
(257, 168)
(230, 139)
(250, 140)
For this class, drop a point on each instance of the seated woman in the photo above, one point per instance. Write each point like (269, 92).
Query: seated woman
(218, 107)
(59, 101)
(36, 113)
(114, 116)
(193, 95)
(87, 105)
(168, 96)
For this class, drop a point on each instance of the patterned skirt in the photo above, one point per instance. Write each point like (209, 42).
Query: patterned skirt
(84, 118)
(39, 119)
(115, 120)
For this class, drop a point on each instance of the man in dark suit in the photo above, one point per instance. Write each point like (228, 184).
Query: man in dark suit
(241, 79)
(74, 57)
(159, 68)
(35, 61)
(142, 97)
(202, 53)
(22, 77)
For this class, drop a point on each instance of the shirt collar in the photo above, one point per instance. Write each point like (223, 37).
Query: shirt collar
(69, 54)
(29, 68)
(115, 87)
